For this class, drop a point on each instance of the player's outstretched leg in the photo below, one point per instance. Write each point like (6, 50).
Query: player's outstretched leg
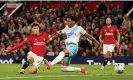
(26, 64)
(71, 50)
(106, 59)
(73, 69)
(57, 59)
(66, 68)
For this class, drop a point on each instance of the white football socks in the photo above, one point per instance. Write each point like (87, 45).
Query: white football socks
(70, 69)
(58, 58)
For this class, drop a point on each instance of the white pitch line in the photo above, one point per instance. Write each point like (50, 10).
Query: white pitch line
(4, 78)
(51, 76)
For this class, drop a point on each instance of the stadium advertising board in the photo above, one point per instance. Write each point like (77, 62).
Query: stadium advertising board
(90, 60)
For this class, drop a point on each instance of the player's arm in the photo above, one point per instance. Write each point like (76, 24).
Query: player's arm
(91, 37)
(18, 45)
(101, 36)
(47, 37)
(55, 35)
(58, 33)
(118, 36)
(88, 35)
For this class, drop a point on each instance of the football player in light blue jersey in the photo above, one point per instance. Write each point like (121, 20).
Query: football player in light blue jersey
(73, 32)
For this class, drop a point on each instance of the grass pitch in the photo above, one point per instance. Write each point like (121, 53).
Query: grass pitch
(10, 72)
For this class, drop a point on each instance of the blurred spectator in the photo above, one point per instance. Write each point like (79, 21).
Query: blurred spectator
(116, 10)
(132, 25)
(123, 49)
(50, 53)
(127, 24)
(17, 59)
(85, 46)
(119, 21)
(2, 51)
(102, 7)
(130, 49)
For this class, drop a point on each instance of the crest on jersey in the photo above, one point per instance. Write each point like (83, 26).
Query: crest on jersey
(35, 38)
(111, 30)
(44, 39)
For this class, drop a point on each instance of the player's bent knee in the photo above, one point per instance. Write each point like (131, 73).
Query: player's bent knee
(33, 69)
(105, 56)
(109, 53)
(30, 58)
(66, 52)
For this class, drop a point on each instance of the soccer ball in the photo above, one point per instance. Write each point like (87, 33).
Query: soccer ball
(119, 68)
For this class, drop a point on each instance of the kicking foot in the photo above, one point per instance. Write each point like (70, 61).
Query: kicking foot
(21, 72)
(49, 66)
(83, 70)
(102, 68)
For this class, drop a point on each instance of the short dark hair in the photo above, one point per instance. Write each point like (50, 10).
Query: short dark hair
(72, 17)
(34, 24)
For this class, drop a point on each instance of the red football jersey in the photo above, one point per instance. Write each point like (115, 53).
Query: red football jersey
(108, 34)
(38, 43)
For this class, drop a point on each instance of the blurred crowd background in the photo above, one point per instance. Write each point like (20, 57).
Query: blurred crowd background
(15, 28)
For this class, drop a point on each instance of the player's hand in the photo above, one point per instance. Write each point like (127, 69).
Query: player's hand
(97, 42)
(6, 51)
(101, 41)
(50, 37)
(117, 44)
(59, 32)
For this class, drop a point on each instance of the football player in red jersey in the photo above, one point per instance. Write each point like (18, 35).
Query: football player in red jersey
(35, 56)
(107, 37)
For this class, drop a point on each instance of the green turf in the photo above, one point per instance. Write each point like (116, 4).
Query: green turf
(9, 72)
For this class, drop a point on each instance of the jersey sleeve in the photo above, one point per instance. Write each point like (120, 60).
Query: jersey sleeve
(46, 36)
(82, 31)
(64, 30)
(26, 40)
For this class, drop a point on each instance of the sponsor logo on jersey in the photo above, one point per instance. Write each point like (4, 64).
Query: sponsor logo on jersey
(39, 43)
(70, 34)
(108, 33)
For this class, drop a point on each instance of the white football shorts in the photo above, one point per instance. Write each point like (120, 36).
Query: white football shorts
(108, 47)
(37, 59)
